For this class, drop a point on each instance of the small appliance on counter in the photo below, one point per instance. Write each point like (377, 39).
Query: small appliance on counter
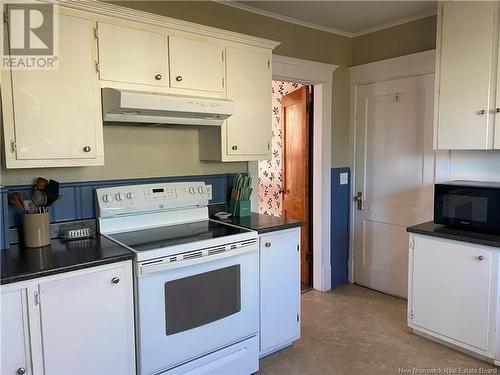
(470, 205)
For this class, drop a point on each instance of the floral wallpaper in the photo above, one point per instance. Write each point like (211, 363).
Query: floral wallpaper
(270, 172)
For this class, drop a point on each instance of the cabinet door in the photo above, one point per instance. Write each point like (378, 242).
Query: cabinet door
(87, 323)
(14, 333)
(196, 65)
(279, 290)
(132, 56)
(249, 84)
(452, 290)
(55, 111)
(464, 119)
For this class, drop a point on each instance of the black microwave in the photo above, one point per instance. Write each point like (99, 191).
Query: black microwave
(471, 205)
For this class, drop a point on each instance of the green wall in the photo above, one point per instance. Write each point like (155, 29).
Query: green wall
(135, 152)
(411, 37)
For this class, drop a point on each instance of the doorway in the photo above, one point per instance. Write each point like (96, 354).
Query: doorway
(285, 181)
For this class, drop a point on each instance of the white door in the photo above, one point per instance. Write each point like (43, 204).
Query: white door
(394, 172)
(452, 290)
(249, 84)
(196, 65)
(55, 111)
(87, 323)
(465, 119)
(132, 56)
(15, 340)
(279, 289)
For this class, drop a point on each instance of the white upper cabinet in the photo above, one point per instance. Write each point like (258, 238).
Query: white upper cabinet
(196, 65)
(52, 117)
(132, 56)
(466, 68)
(249, 84)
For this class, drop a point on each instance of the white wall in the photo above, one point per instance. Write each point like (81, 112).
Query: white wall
(475, 165)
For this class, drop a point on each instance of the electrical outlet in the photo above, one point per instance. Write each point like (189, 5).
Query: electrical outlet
(344, 178)
(209, 191)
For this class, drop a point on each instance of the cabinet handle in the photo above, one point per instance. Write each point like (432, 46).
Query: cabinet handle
(268, 244)
(115, 280)
(481, 112)
(158, 77)
(87, 149)
(234, 147)
(480, 258)
(21, 371)
(178, 78)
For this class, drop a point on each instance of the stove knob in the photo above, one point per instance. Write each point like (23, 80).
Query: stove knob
(201, 190)
(191, 190)
(106, 198)
(119, 196)
(130, 195)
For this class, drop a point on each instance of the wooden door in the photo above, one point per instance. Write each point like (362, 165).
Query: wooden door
(279, 289)
(87, 323)
(249, 85)
(196, 65)
(15, 340)
(465, 119)
(452, 291)
(295, 130)
(132, 56)
(55, 111)
(395, 175)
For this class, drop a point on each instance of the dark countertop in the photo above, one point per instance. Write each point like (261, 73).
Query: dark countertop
(21, 263)
(262, 223)
(437, 230)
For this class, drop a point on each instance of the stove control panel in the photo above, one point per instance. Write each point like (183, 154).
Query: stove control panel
(122, 200)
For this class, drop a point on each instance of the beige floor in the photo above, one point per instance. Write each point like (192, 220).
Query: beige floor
(354, 330)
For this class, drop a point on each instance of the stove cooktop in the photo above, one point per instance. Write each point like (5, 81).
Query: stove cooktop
(172, 235)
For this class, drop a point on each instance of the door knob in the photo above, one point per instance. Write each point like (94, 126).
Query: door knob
(158, 77)
(358, 198)
(178, 78)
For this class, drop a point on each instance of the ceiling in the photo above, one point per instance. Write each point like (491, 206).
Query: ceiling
(349, 18)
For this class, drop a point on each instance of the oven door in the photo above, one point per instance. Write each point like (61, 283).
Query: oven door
(191, 308)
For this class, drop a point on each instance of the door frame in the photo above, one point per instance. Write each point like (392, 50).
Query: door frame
(395, 68)
(320, 76)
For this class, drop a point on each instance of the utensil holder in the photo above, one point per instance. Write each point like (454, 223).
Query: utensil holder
(241, 208)
(36, 229)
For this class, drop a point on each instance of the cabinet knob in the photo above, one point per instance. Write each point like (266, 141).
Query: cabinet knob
(178, 78)
(268, 244)
(158, 77)
(21, 371)
(87, 149)
(480, 258)
(234, 147)
(497, 110)
(115, 280)
(481, 112)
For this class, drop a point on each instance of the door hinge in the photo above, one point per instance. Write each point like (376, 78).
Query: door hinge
(268, 146)
(37, 298)
(297, 317)
(5, 16)
(411, 315)
(96, 32)
(309, 257)
(412, 243)
(298, 247)
(97, 66)
(222, 82)
(222, 55)
(268, 63)
(13, 146)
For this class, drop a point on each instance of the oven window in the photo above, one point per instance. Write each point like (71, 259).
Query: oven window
(466, 207)
(201, 299)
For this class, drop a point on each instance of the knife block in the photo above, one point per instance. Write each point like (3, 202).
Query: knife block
(240, 208)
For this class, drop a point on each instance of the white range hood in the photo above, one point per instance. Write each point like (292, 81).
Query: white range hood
(163, 109)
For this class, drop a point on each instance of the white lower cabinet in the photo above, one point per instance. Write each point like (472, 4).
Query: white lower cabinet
(279, 290)
(80, 322)
(454, 293)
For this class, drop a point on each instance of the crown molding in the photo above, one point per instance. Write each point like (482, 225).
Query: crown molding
(330, 30)
(121, 12)
(311, 72)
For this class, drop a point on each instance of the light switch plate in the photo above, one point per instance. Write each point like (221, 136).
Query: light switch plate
(209, 191)
(344, 178)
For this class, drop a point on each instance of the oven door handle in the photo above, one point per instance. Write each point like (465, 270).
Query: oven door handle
(149, 267)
